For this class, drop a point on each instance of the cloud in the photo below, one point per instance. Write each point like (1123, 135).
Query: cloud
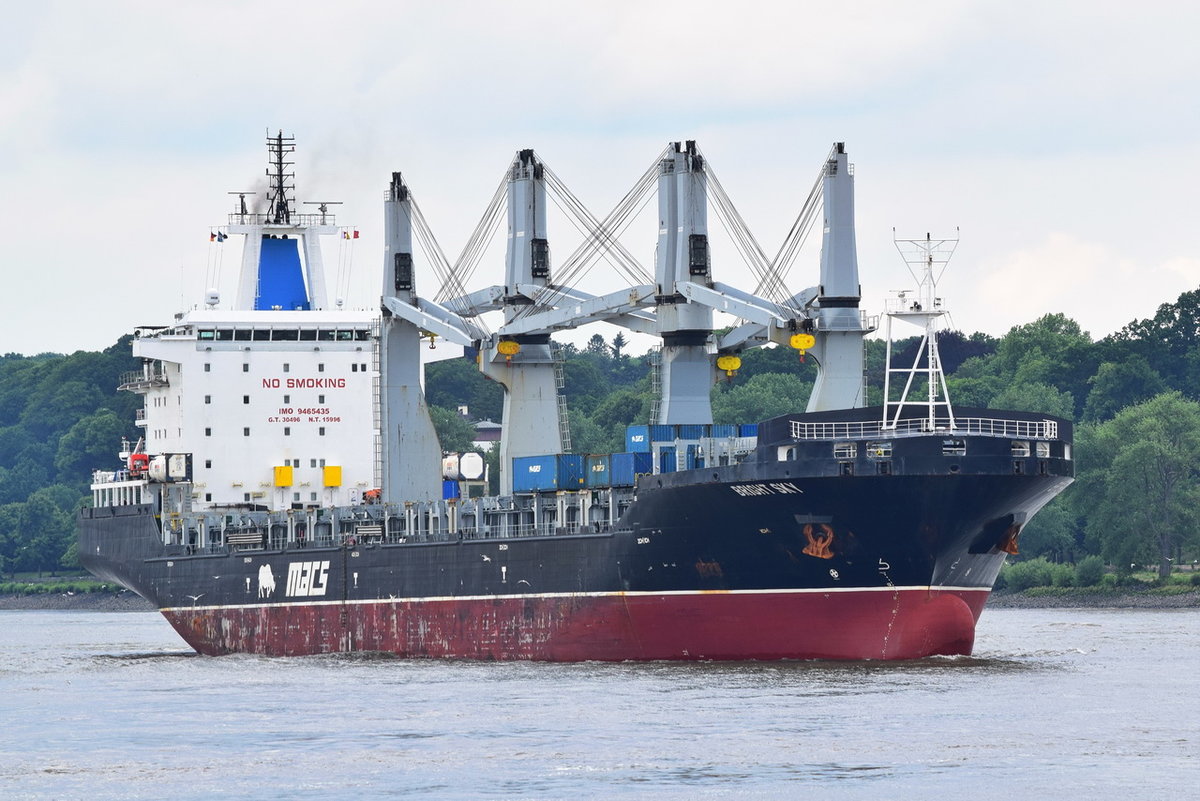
(1059, 140)
(1087, 281)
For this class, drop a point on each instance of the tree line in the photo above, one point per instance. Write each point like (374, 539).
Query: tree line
(1134, 396)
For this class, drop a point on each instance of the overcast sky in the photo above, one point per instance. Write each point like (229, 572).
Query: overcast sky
(1060, 138)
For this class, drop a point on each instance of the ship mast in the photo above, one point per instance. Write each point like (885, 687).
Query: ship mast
(922, 308)
(282, 268)
(283, 183)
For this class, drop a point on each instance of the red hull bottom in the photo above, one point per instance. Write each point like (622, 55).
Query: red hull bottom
(855, 624)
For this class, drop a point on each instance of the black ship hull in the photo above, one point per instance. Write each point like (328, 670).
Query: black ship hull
(784, 556)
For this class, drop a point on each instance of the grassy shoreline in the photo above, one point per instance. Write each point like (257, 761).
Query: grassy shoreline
(1169, 597)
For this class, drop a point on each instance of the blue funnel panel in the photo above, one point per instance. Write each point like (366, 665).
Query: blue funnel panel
(280, 279)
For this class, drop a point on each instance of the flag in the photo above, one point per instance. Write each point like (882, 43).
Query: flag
(356, 234)
(345, 234)
(221, 237)
(211, 236)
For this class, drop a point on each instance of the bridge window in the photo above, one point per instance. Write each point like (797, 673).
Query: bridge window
(1020, 448)
(954, 447)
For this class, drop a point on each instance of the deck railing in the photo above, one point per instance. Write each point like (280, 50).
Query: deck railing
(982, 426)
(140, 378)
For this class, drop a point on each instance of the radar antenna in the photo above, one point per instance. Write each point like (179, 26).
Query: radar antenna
(323, 207)
(242, 211)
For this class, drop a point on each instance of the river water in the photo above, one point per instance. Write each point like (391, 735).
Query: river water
(1063, 704)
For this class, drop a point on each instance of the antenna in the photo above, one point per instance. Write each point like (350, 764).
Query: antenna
(283, 183)
(242, 210)
(323, 206)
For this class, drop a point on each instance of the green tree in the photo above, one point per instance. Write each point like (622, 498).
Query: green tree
(586, 436)
(10, 536)
(1051, 533)
(1052, 351)
(91, 442)
(618, 344)
(1115, 386)
(597, 346)
(762, 397)
(1167, 342)
(1035, 397)
(457, 382)
(1143, 491)
(47, 526)
(454, 433)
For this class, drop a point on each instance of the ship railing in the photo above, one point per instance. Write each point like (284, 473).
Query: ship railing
(294, 220)
(102, 477)
(140, 379)
(982, 426)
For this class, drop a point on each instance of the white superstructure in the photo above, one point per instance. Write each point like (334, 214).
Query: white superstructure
(274, 407)
(270, 400)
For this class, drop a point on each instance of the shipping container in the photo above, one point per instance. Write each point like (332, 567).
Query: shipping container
(560, 471)
(666, 460)
(693, 431)
(637, 439)
(720, 430)
(449, 489)
(748, 430)
(597, 470)
(626, 467)
(662, 433)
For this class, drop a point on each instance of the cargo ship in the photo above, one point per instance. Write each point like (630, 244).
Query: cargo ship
(289, 496)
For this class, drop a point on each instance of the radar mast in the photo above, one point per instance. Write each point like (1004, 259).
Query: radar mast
(922, 308)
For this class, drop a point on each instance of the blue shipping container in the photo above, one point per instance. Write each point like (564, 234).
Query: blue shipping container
(724, 430)
(666, 460)
(626, 467)
(693, 431)
(637, 439)
(748, 430)
(559, 471)
(662, 433)
(597, 472)
(449, 490)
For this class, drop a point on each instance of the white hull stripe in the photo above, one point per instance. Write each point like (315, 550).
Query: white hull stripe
(555, 595)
